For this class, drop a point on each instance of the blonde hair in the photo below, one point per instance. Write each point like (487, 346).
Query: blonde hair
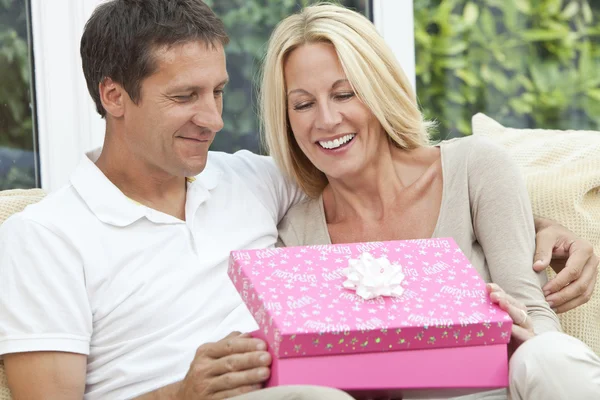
(371, 69)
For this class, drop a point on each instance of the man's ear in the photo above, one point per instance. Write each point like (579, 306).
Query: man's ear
(112, 96)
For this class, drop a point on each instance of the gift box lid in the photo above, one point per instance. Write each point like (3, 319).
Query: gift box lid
(297, 297)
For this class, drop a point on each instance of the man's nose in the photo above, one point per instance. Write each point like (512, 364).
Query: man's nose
(208, 115)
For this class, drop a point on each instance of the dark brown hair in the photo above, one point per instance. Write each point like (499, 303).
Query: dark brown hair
(121, 36)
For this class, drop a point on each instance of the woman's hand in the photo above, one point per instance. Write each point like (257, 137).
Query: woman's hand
(522, 329)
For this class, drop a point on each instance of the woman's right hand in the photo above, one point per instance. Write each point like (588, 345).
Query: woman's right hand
(522, 329)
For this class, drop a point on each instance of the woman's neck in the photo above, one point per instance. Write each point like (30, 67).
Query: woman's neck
(374, 192)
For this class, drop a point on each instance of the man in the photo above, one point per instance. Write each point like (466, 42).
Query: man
(123, 277)
(115, 286)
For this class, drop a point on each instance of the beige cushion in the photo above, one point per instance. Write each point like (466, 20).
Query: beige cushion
(13, 201)
(562, 172)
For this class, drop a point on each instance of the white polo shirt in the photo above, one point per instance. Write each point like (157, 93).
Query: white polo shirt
(89, 271)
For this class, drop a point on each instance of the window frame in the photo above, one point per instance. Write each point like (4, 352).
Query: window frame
(395, 19)
(67, 122)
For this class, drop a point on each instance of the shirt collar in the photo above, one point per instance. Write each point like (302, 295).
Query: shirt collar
(111, 206)
(210, 177)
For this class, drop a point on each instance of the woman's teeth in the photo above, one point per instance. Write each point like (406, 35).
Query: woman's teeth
(334, 144)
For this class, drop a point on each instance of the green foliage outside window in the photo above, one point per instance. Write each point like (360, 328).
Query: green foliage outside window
(16, 124)
(526, 63)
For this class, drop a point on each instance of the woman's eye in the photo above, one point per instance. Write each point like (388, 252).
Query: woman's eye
(302, 106)
(344, 96)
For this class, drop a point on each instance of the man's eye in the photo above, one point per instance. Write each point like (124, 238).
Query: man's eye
(218, 92)
(183, 98)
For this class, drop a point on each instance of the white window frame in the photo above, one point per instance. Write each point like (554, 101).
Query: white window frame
(67, 122)
(394, 20)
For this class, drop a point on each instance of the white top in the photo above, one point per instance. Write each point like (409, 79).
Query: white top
(87, 270)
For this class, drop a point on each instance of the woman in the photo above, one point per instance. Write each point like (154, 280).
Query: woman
(341, 120)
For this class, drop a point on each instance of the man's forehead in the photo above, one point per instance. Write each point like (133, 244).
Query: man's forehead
(197, 50)
(191, 61)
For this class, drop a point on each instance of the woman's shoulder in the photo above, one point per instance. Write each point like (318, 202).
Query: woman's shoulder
(476, 152)
(301, 222)
(302, 210)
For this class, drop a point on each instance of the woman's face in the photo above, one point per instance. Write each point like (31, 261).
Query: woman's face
(334, 129)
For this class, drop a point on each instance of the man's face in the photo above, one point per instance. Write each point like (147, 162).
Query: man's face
(179, 110)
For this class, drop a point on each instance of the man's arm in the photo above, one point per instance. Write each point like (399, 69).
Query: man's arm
(235, 365)
(45, 317)
(572, 258)
(169, 392)
(46, 375)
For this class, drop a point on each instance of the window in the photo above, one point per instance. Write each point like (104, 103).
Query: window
(18, 155)
(249, 24)
(525, 63)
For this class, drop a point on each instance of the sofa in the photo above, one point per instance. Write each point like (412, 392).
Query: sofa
(562, 172)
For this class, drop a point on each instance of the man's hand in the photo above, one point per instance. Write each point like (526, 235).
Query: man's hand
(235, 365)
(573, 260)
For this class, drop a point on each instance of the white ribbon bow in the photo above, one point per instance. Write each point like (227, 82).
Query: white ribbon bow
(373, 277)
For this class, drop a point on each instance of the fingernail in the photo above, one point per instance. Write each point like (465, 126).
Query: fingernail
(555, 310)
(261, 346)
(550, 303)
(264, 372)
(264, 358)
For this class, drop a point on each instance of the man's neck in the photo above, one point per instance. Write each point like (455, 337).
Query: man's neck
(142, 182)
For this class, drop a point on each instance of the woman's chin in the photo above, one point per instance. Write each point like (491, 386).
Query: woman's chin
(340, 173)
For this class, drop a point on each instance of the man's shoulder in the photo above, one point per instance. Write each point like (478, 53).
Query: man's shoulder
(55, 211)
(256, 172)
(246, 172)
(240, 161)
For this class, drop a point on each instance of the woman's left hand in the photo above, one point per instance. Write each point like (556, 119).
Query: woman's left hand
(522, 329)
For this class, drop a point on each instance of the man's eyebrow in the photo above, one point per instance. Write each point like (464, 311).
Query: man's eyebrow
(335, 84)
(195, 88)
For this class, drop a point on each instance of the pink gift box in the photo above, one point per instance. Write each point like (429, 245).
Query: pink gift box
(442, 334)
